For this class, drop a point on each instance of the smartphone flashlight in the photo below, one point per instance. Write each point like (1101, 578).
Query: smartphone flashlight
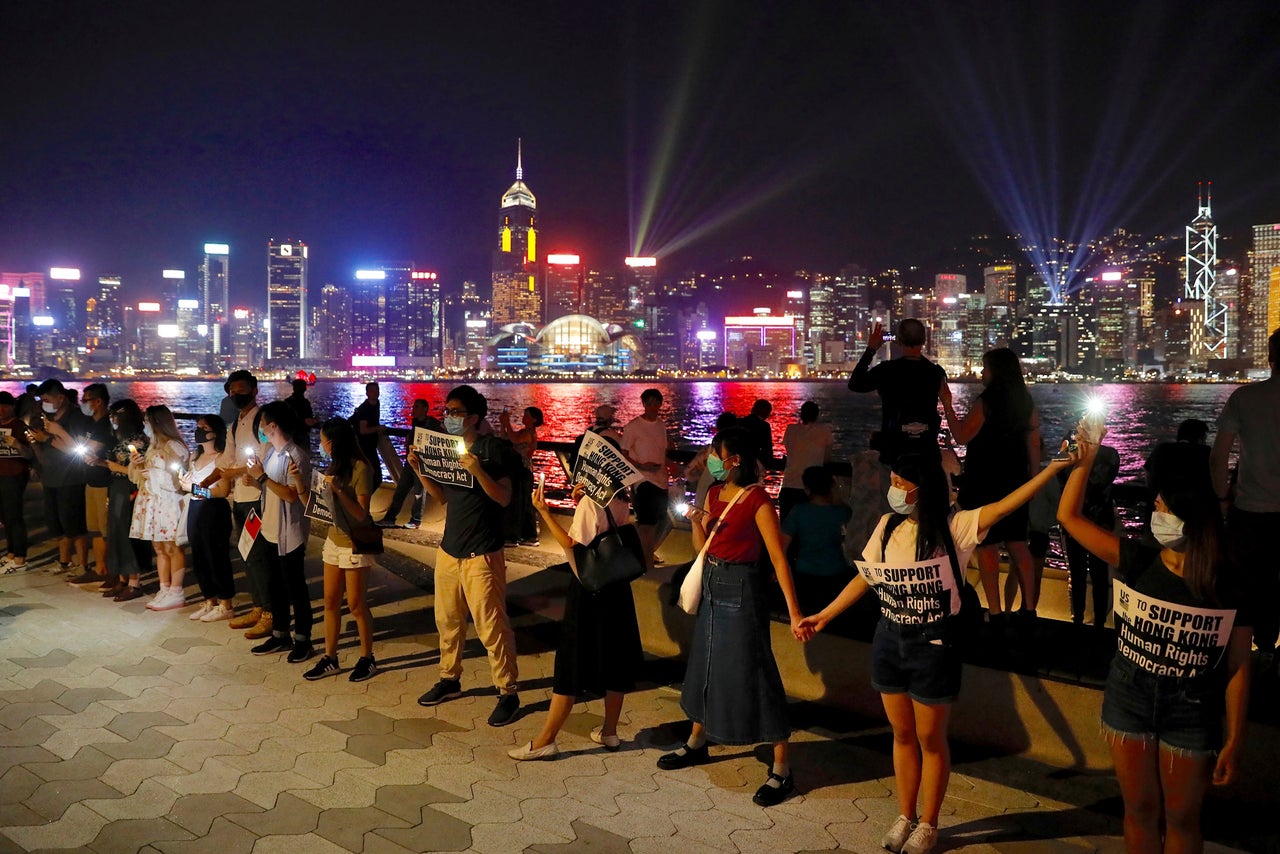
(1095, 407)
(133, 449)
(682, 507)
(175, 467)
(82, 449)
(462, 447)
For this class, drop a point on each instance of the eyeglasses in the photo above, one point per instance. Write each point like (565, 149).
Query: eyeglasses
(455, 412)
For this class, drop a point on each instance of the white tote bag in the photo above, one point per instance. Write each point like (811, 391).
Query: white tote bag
(691, 587)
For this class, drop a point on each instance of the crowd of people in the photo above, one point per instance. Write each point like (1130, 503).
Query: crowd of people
(122, 490)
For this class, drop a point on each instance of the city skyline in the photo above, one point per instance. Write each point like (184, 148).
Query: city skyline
(813, 137)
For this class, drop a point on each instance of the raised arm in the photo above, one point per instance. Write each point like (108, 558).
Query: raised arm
(862, 378)
(1096, 540)
(991, 513)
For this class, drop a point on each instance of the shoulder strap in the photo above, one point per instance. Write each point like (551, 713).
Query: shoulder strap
(716, 525)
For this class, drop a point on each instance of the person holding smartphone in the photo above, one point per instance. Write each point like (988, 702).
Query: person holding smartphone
(209, 520)
(158, 508)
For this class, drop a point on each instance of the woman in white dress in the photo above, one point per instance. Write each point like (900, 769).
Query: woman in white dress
(158, 508)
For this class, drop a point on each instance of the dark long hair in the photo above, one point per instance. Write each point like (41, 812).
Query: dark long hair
(344, 448)
(933, 504)
(1193, 501)
(219, 429)
(128, 419)
(1007, 403)
(738, 442)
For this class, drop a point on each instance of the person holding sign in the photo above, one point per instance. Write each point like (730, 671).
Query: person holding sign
(599, 648)
(1182, 661)
(732, 689)
(915, 560)
(348, 486)
(470, 568)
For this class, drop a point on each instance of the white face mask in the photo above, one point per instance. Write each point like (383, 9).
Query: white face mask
(1167, 529)
(146, 431)
(87, 409)
(49, 408)
(898, 501)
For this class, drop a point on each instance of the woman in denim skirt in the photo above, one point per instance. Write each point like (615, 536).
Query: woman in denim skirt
(732, 690)
(1182, 661)
(914, 662)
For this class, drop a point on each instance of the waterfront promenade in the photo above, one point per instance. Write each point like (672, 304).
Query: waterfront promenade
(126, 730)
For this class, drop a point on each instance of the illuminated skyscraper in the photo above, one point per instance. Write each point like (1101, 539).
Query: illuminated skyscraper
(425, 320)
(516, 297)
(564, 286)
(1200, 279)
(104, 325)
(334, 328)
(368, 313)
(215, 292)
(999, 282)
(286, 301)
(1264, 291)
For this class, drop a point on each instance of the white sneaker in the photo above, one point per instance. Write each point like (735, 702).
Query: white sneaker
(174, 598)
(222, 612)
(205, 607)
(922, 839)
(158, 598)
(896, 836)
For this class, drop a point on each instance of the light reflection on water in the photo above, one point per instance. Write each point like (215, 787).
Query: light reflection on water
(1139, 416)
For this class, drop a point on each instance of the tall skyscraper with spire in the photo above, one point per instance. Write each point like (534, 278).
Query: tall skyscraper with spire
(517, 295)
(1200, 282)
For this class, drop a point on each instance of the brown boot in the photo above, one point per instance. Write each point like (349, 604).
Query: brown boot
(247, 620)
(262, 629)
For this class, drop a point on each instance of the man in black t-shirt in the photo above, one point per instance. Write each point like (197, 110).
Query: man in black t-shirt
(62, 474)
(96, 439)
(471, 569)
(908, 387)
(757, 424)
(302, 410)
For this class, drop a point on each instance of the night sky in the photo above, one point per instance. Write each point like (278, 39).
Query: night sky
(810, 134)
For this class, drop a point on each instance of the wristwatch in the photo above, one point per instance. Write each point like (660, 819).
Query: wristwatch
(262, 479)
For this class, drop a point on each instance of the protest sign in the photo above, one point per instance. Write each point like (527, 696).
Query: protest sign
(914, 594)
(317, 507)
(1169, 639)
(7, 450)
(438, 458)
(603, 469)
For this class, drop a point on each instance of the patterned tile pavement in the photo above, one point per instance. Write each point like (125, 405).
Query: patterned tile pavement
(127, 730)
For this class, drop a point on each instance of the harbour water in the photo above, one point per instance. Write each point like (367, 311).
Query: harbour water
(1139, 415)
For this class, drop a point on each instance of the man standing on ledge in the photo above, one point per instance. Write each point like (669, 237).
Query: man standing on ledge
(908, 387)
(1252, 415)
(471, 569)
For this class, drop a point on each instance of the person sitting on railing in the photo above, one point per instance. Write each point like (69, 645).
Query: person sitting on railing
(420, 417)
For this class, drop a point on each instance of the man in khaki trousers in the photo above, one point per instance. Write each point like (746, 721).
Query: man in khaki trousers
(471, 570)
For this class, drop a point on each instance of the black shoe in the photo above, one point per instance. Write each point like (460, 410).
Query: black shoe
(271, 645)
(302, 650)
(445, 689)
(505, 712)
(365, 668)
(386, 523)
(683, 757)
(772, 795)
(326, 666)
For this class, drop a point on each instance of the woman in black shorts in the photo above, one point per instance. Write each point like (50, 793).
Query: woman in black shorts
(914, 662)
(1182, 659)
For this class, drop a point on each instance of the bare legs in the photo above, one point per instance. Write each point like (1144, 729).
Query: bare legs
(921, 755)
(1020, 563)
(354, 583)
(1155, 781)
(562, 706)
(170, 564)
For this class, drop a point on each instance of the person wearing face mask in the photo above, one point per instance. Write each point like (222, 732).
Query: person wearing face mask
(522, 523)
(1169, 691)
(244, 445)
(470, 567)
(209, 520)
(915, 665)
(126, 555)
(63, 476)
(348, 486)
(96, 439)
(158, 508)
(15, 472)
(283, 537)
(732, 690)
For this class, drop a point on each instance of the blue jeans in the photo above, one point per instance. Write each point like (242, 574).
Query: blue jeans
(1184, 714)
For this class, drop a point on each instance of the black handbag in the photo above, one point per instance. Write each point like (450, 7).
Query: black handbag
(366, 538)
(615, 555)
